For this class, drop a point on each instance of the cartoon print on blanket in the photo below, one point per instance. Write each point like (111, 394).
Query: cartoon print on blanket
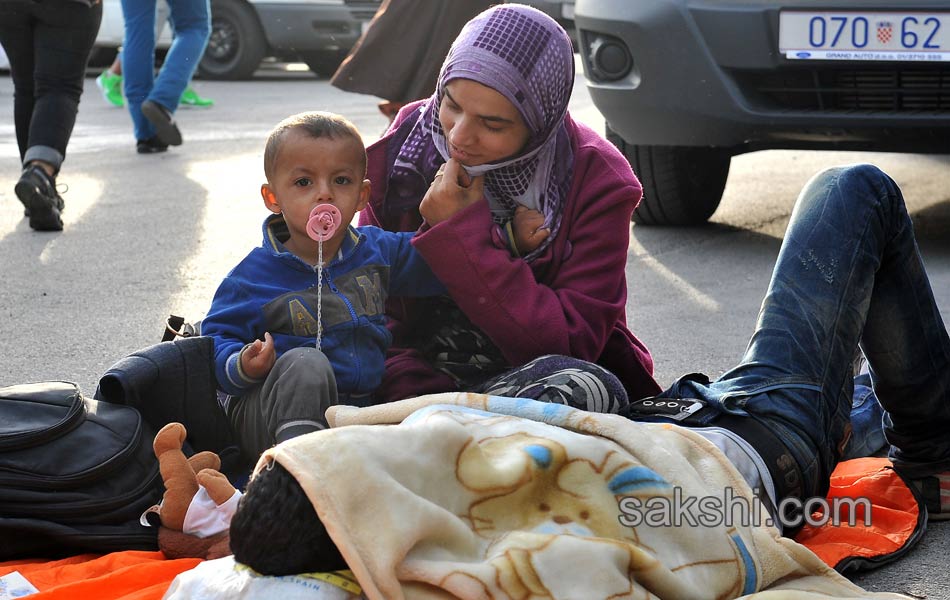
(545, 494)
(470, 496)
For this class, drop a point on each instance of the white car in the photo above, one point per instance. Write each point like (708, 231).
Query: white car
(244, 32)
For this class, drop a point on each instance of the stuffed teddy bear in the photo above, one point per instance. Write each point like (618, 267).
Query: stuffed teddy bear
(198, 502)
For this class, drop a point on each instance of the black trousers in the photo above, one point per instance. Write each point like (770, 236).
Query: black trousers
(48, 44)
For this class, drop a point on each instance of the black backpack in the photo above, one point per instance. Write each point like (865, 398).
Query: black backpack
(75, 474)
(173, 381)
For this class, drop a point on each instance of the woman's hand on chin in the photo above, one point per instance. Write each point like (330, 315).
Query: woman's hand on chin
(451, 191)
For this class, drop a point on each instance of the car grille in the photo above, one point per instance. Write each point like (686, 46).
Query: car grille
(363, 9)
(873, 89)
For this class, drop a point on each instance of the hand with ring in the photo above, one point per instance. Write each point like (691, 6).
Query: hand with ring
(438, 174)
(452, 190)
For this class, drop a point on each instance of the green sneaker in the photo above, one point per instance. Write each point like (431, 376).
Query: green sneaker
(191, 98)
(110, 85)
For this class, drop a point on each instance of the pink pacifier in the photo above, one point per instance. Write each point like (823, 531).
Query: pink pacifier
(323, 222)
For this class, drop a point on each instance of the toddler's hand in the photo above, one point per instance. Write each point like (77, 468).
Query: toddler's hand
(259, 357)
(526, 226)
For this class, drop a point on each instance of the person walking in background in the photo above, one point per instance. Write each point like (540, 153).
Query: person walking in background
(152, 100)
(47, 43)
(399, 56)
(110, 80)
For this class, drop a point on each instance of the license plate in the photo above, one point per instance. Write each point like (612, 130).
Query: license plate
(888, 36)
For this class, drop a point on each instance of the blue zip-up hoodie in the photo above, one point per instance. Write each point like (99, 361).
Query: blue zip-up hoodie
(272, 290)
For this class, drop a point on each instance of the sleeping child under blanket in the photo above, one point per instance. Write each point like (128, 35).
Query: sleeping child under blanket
(472, 496)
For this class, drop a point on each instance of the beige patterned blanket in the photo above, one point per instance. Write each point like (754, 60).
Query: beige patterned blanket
(471, 496)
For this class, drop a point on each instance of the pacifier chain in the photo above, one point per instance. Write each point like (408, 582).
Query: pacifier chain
(323, 222)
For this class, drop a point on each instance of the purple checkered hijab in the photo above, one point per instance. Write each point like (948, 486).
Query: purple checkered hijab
(527, 57)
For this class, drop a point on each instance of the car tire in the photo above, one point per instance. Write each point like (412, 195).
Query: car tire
(682, 185)
(236, 45)
(323, 63)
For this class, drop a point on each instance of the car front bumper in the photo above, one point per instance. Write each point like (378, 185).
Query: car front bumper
(709, 73)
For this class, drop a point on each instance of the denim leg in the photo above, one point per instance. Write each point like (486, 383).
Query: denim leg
(192, 25)
(849, 272)
(867, 420)
(908, 351)
(138, 61)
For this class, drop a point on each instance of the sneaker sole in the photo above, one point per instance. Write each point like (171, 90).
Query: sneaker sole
(43, 215)
(151, 149)
(165, 129)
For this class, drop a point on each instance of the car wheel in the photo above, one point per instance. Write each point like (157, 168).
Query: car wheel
(323, 63)
(236, 45)
(682, 185)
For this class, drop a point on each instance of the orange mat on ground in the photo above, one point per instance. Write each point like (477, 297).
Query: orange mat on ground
(894, 510)
(129, 575)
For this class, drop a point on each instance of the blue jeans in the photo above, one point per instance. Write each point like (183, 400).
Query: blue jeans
(191, 24)
(849, 272)
(867, 418)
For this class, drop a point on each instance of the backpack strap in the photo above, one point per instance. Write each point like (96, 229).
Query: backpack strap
(175, 326)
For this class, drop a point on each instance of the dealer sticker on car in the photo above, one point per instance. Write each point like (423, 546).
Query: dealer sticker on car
(892, 36)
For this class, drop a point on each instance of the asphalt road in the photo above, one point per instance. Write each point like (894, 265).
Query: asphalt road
(147, 236)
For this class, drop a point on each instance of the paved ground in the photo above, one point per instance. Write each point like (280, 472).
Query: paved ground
(151, 235)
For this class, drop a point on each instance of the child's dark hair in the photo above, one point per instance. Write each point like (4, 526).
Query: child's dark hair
(316, 124)
(276, 530)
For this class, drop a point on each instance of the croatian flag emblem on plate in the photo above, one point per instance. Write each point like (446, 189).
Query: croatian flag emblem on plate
(885, 31)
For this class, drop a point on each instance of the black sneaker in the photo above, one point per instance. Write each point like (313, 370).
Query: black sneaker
(37, 191)
(150, 146)
(165, 128)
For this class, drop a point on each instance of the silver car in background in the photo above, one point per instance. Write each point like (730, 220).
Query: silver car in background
(685, 85)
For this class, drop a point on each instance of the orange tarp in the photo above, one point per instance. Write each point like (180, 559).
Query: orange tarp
(129, 575)
(894, 513)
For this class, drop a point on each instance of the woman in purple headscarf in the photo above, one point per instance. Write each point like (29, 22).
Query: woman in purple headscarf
(542, 316)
